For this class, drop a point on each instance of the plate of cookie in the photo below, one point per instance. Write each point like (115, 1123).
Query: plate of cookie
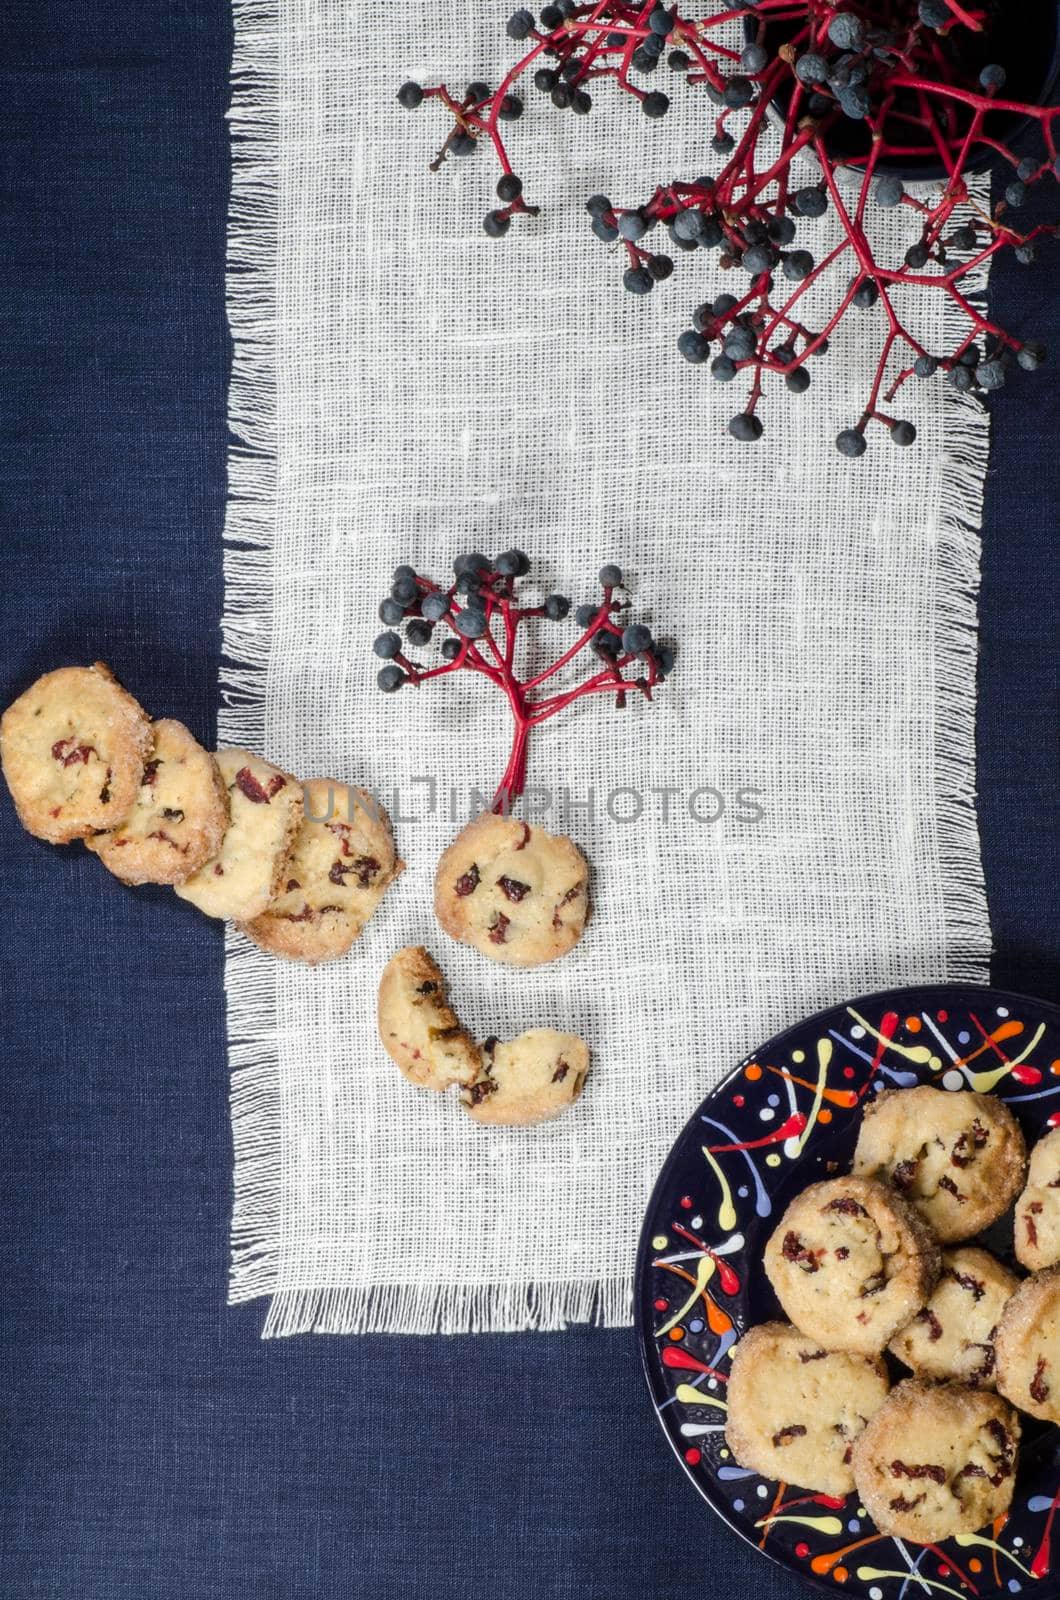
(848, 1296)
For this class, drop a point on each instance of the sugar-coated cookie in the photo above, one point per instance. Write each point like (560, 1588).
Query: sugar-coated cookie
(795, 1410)
(958, 1157)
(180, 814)
(953, 1335)
(528, 1079)
(265, 806)
(73, 749)
(1028, 1346)
(1037, 1229)
(937, 1460)
(419, 1028)
(518, 894)
(342, 862)
(851, 1263)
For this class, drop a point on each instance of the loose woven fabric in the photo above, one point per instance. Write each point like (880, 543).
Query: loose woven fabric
(405, 388)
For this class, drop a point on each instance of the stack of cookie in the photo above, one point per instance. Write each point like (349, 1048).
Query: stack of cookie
(300, 868)
(878, 1264)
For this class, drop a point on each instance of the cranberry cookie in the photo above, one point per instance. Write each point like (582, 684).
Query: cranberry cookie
(959, 1157)
(1038, 1207)
(517, 893)
(265, 808)
(419, 1028)
(851, 1263)
(528, 1079)
(937, 1460)
(1028, 1347)
(953, 1335)
(342, 863)
(73, 749)
(179, 818)
(795, 1410)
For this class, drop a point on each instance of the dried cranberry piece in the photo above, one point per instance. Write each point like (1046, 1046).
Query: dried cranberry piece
(846, 1206)
(947, 1183)
(68, 752)
(934, 1325)
(468, 881)
(560, 1072)
(337, 873)
(902, 1469)
(793, 1249)
(512, 889)
(1032, 1231)
(479, 1090)
(293, 883)
(903, 1175)
(900, 1503)
(794, 1430)
(172, 814)
(247, 784)
(499, 928)
(276, 783)
(366, 868)
(842, 1253)
(1039, 1389)
(151, 773)
(812, 1355)
(525, 837)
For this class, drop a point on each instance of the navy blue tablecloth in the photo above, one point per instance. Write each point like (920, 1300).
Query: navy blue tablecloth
(153, 1448)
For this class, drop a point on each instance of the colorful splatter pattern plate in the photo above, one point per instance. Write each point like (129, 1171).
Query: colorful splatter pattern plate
(786, 1117)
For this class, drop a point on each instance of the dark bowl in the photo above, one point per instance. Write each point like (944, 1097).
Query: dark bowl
(1029, 53)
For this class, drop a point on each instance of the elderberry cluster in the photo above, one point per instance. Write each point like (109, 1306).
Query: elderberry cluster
(857, 85)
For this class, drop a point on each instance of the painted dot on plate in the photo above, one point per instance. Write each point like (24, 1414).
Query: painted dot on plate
(772, 1159)
(686, 1202)
(934, 1062)
(875, 1593)
(697, 1222)
(724, 1454)
(963, 1038)
(739, 1101)
(773, 1100)
(1055, 1069)
(660, 1242)
(1054, 1120)
(824, 1115)
(802, 1550)
(695, 1326)
(1014, 1586)
(761, 1491)
(854, 1526)
(943, 1016)
(798, 1055)
(1017, 1543)
(737, 1505)
(693, 1457)
(975, 1565)
(767, 1114)
(743, 1191)
(677, 1334)
(840, 1574)
(848, 1072)
(753, 1072)
(1002, 1011)
(944, 1570)
(952, 1080)
(914, 1024)
(857, 1031)
(660, 1305)
(712, 1383)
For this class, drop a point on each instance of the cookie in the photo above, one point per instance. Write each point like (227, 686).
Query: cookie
(1028, 1346)
(795, 1410)
(1037, 1230)
(959, 1157)
(265, 808)
(179, 818)
(518, 894)
(937, 1460)
(342, 863)
(851, 1263)
(528, 1079)
(953, 1335)
(73, 749)
(419, 1028)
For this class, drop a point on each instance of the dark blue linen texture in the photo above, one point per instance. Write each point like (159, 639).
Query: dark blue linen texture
(153, 1447)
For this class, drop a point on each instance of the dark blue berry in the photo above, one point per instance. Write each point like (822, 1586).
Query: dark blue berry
(970, 357)
(866, 295)
(660, 267)
(889, 190)
(679, 61)
(991, 374)
(784, 353)
(811, 202)
(584, 615)
(606, 231)
(758, 258)
(556, 607)
(664, 659)
(798, 265)
(655, 105)
(462, 144)
(598, 205)
(723, 143)
(404, 591)
(992, 76)
(509, 187)
(739, 92)
(610, 576)
(962, 378)
(419, 633)
(632, 226)
(723, 304)
(545, 79)
(473, 561)
(925, 366)
(391, 612)
(510, 109)
(495, 224)
(477, 92)
(471, 624)
(811, 68)
(561, 97)
(636, 638)
(410, 95)
(963, 238)
(798, 381)
(403, 574)
(755, 58)
(389, 678)
(661, 22)
(387, 646)
(903, 433)
(551, 18)
(1015, 194)
(693, 346)
(855, 102)
(644, 60)
(520, 24)
(723, 369)
(916, 256)
(638, 280)
(451, 648)
(740, 344)
(1031, 356)
(781, 230)
(935, 13)
(851, 442)
(435, 606)
(581, 103)
(1024, 253)
(846, 31)
(513, 564)
(607, 644)
(745, 426)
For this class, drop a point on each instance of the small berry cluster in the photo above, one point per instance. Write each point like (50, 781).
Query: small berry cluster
(479, 615)
(877, 82)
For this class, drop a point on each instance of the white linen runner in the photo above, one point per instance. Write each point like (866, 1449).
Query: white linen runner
(405, 388)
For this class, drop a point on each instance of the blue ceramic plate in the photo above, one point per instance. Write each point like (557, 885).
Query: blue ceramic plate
(786, 1117)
